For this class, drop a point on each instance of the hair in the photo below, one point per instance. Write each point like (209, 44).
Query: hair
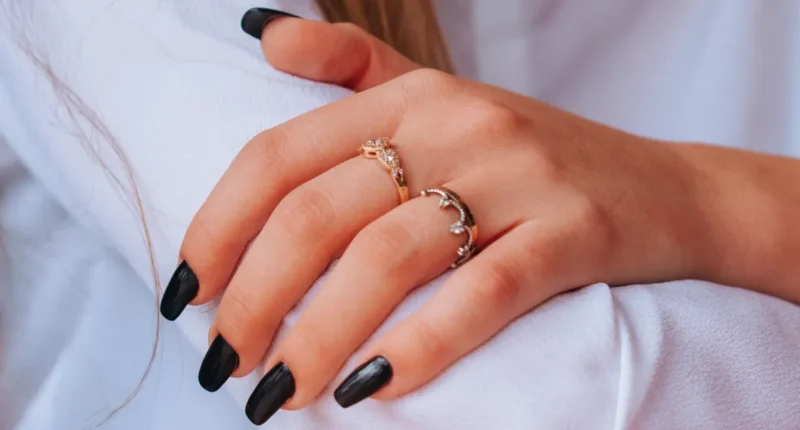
(409, 26)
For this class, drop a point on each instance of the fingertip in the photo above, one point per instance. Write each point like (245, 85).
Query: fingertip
(241, 372)
(316, 50)
(212, 332)
(337, 53)
(386, 393)
(255, 20)
(304, 396)
(291, 406)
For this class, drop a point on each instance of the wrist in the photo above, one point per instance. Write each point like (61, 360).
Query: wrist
(746, 206)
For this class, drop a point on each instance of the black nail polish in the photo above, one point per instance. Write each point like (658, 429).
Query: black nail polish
(275, 388)
(257, 19)
(218, 365)
(182, 288)
(365, 381)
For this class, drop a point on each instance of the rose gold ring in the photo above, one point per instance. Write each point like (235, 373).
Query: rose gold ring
(465, 225)
(381, 149)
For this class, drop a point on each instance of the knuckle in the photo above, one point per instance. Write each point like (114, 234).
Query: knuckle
(306, 213)
(488, 117)
(390, 242)
(310, 343)
(543, 163)
(212, 252)
(497, 287)
(237, 320)
(269, 151)
(425, 81)
(589, 213)
(595, 220)
(547, 170)
(430, 341)
(350, 28)
(356, 44)
(543, 259)
(205, 240)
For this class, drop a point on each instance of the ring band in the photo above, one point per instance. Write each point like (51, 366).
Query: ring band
(381, 149)
(465, 224)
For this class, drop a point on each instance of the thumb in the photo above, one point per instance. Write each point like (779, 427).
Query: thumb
(342, 54)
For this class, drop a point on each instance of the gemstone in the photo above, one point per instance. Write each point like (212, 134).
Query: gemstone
(376, 143)
(397, 173)
(445, 202)
(457, 228)
(389, 158)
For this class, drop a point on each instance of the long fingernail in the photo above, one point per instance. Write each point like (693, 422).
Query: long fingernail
(218, 365)
(275, 388)
(257, 19)
(182, 288)
(365, 381)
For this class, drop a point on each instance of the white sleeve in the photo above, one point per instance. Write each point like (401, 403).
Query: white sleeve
(180, 89)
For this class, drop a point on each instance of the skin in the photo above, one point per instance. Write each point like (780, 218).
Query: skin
(561, 202)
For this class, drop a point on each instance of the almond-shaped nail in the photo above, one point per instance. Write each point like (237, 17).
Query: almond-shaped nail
(181, 290)
(257, 19)
(363, 382)
(218, 364)
(275, 388)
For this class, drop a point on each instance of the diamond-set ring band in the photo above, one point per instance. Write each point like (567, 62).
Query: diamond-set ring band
(465, 224)
(381, 150)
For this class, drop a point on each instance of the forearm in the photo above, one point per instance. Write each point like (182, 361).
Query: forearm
(749, 231)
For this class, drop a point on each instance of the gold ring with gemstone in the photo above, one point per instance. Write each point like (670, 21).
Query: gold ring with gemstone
(381, 149)
(465, 224)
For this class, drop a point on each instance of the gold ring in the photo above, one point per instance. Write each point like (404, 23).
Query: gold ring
(381, 149)
(465, 225)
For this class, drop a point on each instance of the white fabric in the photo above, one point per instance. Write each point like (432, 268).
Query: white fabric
(182, 88)
(77, 326)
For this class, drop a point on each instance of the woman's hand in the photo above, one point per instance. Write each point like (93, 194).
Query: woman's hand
(560, 201)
